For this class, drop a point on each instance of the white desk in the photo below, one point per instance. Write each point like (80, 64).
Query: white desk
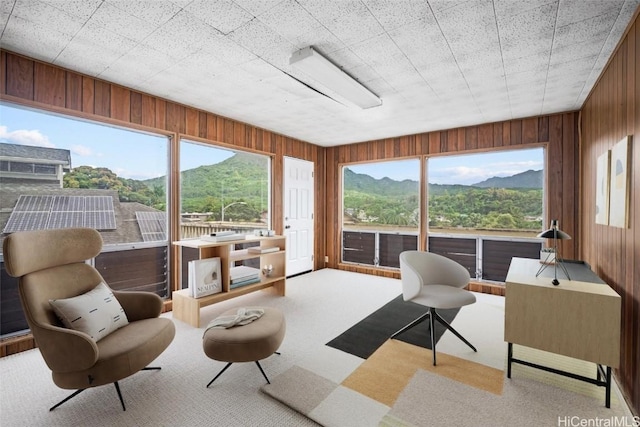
(578, 318)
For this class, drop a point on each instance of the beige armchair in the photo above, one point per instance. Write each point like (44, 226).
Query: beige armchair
(51, 266)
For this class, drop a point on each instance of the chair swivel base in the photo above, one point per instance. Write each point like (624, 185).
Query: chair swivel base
(433, 316)
(77, 392)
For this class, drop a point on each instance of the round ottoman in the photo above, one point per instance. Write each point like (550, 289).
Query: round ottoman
(247, 343)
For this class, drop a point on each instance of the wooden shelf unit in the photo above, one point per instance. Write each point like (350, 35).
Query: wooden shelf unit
(187, 308)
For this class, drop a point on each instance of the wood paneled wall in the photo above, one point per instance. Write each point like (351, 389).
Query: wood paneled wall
(557, 132)
(612, 112)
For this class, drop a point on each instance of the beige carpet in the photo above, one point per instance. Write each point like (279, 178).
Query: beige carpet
(318, 307)
(398, 385)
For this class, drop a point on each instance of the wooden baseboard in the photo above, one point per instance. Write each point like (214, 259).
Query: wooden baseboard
(487, 288)
(13, 345)
(481, 287)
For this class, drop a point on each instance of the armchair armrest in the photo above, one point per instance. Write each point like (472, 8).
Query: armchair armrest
(65, 350)
(139, 305)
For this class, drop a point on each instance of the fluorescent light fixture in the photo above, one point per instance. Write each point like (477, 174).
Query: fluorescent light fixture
(323, 71)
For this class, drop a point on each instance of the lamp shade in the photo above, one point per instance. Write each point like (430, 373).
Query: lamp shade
(554, 232)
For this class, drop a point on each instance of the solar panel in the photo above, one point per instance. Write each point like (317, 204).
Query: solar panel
(33, 203)
(100, 220)
(45, 212)
(68, 203)
(98, 203)
(154, 237)
(152, 225)
(25, 221)
(65, 219)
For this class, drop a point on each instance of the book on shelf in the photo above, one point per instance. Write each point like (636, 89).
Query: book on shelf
(204, 277)
(223, 238)
(260, 250)
(241, 272)
(244, 282)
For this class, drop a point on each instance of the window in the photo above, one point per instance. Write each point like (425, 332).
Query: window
(60, 172)
(381, 211)
(485, 208)
(221, 189)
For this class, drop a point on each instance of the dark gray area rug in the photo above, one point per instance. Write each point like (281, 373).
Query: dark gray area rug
(364, 338)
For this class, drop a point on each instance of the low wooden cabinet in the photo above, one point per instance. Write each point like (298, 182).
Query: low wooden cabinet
(187, 308)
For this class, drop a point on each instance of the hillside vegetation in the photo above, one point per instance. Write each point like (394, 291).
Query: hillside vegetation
(242, 181)
(498, 203)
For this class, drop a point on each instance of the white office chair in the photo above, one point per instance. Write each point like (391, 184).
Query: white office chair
(436, 282)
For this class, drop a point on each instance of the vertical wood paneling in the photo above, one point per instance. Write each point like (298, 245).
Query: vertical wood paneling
(88, 95)
(498, 135)
(530, 131)
(434, 143)
(3, 72)
(192, 118)
(73, 96)
(569, 183)
(19, 77)
(516, 132)
(553, 195)
(611, 112)
(543, 128)
(120, 103)
(175, 117)
(485, 136)
(102, 98)
(202, 124)
(148, 111)
(136, 108)
(161, 114)
(212, 132)
(49, 85)
(471, 138)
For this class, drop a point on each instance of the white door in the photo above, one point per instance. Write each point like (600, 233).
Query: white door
(298, 214)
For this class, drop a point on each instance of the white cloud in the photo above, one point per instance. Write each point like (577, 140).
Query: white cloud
(82, 150)
(25, 137)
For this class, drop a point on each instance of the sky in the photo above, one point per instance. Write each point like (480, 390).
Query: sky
(138, 155)
(129, 154)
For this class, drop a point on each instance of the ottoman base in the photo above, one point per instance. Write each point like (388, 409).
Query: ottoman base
(249, 343)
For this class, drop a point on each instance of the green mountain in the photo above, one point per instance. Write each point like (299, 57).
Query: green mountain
(242, 178)
(528, 179)
(384, 187)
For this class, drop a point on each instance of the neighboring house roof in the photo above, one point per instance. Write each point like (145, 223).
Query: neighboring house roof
(134, 222)
(28, 152)
(127, 228)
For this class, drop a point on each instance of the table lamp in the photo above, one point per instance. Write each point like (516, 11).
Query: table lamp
(556, 234)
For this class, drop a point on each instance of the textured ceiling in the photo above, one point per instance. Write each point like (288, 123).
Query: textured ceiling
(435, 64)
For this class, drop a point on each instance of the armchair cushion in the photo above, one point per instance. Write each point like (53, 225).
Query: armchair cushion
(96, 313)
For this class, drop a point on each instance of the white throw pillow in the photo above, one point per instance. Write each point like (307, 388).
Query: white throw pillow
(97, 313)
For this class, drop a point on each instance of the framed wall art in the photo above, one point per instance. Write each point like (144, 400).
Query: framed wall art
(620, 176)
(602, 188)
